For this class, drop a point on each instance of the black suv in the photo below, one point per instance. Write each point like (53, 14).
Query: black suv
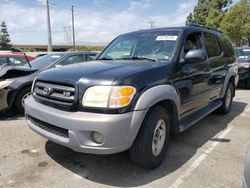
(243, 57)
(143, 86)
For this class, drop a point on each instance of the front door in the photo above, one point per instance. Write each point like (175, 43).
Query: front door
(192, 78)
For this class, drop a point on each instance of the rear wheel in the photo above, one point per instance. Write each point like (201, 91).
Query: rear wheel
(151, 143)
(20, 98)
(227, 99)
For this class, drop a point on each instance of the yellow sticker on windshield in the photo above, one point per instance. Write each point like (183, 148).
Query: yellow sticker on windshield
(166, 38)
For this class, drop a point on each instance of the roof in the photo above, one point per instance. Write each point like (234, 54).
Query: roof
(191, 26)
(14, 55)
(71, 53)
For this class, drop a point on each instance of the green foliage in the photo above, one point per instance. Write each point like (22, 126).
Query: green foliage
(90, 48)
(4, 37)
(199, 14)
(209, 12)
(236, 23)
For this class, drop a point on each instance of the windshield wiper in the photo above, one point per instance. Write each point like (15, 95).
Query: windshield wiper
(106, 58)
(140, 58)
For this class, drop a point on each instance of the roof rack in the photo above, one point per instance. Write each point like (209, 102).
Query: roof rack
(197, 25)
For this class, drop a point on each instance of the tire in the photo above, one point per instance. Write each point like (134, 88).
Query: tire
(227, 100)
(19, 101)
(247, 83)
(144, 151)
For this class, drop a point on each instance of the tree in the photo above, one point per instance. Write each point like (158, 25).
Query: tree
(199, 14)
(4, 37)
(209, 12)
(236, 23)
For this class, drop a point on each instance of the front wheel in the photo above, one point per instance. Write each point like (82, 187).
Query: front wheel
(227, 100)
(151, 143)
(20, 98)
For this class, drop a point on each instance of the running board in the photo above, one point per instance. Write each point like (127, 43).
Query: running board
(189, 120)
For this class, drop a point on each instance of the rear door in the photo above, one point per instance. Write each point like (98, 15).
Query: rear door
(217, 63)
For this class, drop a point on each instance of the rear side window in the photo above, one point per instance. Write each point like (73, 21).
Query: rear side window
(90, 57)
(212, 46)
(227, 45)
(72, 60)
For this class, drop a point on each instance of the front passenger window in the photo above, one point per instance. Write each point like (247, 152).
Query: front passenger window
(192, 42)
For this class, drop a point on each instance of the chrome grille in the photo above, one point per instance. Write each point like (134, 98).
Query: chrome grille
(57, 94)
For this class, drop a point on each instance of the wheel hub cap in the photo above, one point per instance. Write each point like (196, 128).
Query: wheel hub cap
(159, 137)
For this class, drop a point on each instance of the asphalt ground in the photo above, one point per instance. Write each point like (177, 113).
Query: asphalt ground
(209, 154)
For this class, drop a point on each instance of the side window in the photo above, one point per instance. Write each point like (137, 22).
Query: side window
(193, 41)
(17, 61)
(90, 57)
(212, 45)
(227, 45)
(71, 60)
(3, 61)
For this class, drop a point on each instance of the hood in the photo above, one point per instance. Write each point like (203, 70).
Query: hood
(244, 60)
(9, 72)
(105, 72)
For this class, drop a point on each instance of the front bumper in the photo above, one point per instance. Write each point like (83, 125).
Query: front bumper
(119, 130)
(244, 73)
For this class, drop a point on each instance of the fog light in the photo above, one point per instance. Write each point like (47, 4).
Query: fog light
(98, 137)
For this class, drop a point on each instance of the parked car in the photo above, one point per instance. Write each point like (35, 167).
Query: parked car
(246, 178)
(143, 86)
(15, 82)
(243, 56)
(14, 59)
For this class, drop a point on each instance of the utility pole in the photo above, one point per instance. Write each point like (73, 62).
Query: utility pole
(151, 24)
(49, 28)
(73, 28)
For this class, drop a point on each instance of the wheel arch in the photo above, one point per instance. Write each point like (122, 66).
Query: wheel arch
(231, 76)
(164, 95)
(13, 94)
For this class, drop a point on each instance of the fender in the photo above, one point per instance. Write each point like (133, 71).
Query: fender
(157, 94)
(232, 72)
(148, 99)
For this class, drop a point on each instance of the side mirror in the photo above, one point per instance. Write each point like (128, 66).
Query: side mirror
(195, 56)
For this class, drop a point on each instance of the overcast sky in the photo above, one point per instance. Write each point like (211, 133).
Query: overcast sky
(96, 21)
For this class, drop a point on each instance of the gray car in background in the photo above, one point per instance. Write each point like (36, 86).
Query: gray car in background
(246, 180)
(16, 82)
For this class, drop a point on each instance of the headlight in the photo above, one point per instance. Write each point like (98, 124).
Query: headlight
(108, 96)
(5, 83)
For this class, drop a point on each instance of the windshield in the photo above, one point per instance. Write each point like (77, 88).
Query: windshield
(44, 61)
(153, 45)
(243, 53)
